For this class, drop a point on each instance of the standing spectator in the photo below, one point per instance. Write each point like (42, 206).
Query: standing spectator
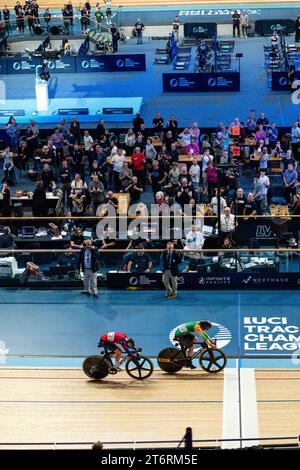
(290, 181)
(157, 177)
(8, 165)
(77, 161)
(115, 37)
(172, 125)
(130, 142)
(75, 129)
(20, 21)
(125, 177)
(134, 191)
(13, 132)
(57, 140)
(150, 152)
(88, 264)
(170, 261)
(195, 132)
(138, 162)
(258, 195)
(136, 122)
(212, 178)
(96, 189)
(117, 161)
(244, 23)
(228, 223)
(47, 18)
(39, 201)
(265, 182)
(5, 192)
(295, 134)
(88, 147)
(176, 26)
(139, 28)
(70, 10)
(84, 19)
(297, 29)
(6, 18)
(236, 21)
(158, 125)
(185, 137)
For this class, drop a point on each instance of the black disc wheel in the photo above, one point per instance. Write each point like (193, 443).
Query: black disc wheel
(95, 367)
(212, 360)
(139, 368)
(171, 360)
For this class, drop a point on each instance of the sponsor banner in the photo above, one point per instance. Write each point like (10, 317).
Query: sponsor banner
(90, 64)
(201, 82)
(3, 67)
(12, 112)
(62, 65)
(117, 111)
(128, 63)
(269, 26)
(229, 81)
(227, 12)
(181, 82)
(198, 281)
(22, 65)
(72, 111)
(200, 30)
(280, 81)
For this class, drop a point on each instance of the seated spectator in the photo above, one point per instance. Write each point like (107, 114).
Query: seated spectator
(260, 134)
(139, 262)
(68, 224)
(6, 239)
(108, 239)
(192, 148)
(68, 259)
(77, 239)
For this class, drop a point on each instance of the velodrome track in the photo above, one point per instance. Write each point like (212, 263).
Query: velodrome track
(46, 398)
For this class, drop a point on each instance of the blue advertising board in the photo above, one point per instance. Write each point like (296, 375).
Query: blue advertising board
(22, 65)
(199, 30)
(201, 82)
(62, 65)
(90, 64)
(3, 67)
(128, 63)
(280, 81)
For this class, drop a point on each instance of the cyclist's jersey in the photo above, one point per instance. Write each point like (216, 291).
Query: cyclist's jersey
(192, 327)
(115, 337)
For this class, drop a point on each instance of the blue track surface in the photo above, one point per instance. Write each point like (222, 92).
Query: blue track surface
(62, 323)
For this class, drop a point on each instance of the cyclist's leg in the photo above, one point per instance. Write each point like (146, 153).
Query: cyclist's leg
(118, 354)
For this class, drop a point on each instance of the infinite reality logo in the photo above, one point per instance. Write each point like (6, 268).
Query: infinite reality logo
(220, 333)
(120, 63)
(199, 29)
(212, 82)
(174, 82)
(283, 81)
(16, 65)
(276, 27)
(85, 64)
(51, 65)
(133, 281)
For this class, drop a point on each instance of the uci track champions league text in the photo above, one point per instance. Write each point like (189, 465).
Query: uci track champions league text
(270, 334)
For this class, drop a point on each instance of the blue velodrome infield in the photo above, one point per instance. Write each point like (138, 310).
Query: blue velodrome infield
(59, 328)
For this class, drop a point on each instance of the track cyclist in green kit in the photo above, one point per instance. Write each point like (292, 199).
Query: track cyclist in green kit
(186, 337)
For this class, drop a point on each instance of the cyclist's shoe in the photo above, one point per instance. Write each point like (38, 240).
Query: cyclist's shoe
(190, 364)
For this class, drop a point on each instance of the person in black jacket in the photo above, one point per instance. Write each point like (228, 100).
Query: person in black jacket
(88, 264)
(170, 260)
(39, 201)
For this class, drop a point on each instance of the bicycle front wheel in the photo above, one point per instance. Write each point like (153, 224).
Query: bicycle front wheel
(212, 360)
(95, 367)
(139, 368)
